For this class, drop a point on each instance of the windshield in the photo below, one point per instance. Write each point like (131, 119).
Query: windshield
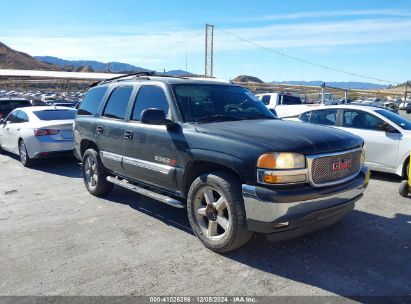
(208, 102)
(55, 114)
(396, 119)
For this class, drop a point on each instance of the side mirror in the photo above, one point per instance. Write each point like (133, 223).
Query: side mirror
(2, 121)
(154, 117)
(386, 127)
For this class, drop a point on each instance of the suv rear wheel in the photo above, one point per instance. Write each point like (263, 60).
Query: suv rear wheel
(216, 211)
(94, 175)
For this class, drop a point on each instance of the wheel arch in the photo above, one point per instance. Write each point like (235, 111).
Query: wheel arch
(404, 172)
(197, 168)
(87, 144)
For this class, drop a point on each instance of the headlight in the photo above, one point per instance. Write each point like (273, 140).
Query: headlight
(280, 161)
(281, 168)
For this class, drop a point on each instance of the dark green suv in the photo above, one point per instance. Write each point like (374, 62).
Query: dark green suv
(214, 148)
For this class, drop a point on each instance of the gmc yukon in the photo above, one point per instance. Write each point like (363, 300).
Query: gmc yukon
(215, 149)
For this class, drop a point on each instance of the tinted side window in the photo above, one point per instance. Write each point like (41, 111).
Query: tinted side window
(266, 99)
(291, 100)
(21, 117)
(117, 103)
(324, 117)
(361, 120)
(150, 97)
(12, 117)
(91, 101)
(305, 117)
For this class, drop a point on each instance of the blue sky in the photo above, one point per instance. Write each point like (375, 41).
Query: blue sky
(366, 37)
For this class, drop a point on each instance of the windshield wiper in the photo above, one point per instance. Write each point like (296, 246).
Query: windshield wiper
(217, 117)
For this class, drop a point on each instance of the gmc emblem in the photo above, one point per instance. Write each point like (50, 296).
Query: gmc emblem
(342, 165)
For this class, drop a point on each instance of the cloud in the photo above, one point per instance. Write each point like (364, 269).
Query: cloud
(167, 48)
(335, 13)
(334, 33)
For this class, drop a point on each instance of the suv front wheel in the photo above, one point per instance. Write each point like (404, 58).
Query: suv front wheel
(216, 211)
(94, 174)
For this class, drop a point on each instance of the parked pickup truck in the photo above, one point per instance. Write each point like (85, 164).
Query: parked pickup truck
(283, 104)
(216, 150)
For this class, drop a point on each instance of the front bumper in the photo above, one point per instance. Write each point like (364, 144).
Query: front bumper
(301, 209)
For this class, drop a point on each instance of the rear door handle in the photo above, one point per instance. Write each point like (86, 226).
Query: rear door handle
(99, 129)
(128, 134)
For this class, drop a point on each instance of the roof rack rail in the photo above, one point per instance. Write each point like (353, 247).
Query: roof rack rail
(141, 73)
(147, 74)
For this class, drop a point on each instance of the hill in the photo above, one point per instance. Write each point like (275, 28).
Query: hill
(246, 78)
(12, 59)
(115, 67)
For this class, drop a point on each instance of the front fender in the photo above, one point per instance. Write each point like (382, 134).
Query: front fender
(244, 168)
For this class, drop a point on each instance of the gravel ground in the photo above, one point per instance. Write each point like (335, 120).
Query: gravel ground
(56, 239)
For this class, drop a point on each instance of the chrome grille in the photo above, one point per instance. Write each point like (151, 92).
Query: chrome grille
(322, 167)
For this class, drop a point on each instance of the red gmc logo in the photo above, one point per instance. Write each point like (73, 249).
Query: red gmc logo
(342, 165)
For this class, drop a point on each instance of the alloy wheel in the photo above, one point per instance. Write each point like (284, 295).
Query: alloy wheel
(90, 172)
(211, 213)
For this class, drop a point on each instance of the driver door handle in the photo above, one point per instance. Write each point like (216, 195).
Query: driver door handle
(128, 134)
(99, 129)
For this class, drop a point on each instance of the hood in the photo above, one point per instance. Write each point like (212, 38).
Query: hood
(284, 136)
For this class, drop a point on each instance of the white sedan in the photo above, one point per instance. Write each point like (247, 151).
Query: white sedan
(38, 132)
(387, 135)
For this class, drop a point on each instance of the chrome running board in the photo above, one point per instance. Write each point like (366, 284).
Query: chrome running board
(154, 195)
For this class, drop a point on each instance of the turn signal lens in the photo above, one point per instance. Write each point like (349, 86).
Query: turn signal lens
(281, 161)
(271, 178)
(266, 161)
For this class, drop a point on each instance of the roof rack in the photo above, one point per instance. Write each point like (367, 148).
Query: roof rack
(145, 73)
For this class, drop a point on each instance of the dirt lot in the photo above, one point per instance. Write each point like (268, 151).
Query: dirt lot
(56, 239)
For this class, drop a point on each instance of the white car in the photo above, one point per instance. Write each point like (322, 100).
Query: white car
(387, 135)
(38, 132)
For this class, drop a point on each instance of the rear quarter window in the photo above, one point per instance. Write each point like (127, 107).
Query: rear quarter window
(91, 101)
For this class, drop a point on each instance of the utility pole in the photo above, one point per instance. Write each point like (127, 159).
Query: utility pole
(209, 50)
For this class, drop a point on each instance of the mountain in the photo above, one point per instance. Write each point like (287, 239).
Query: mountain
(342, 85)
(246, 78)
(115, 67)
(12, 59)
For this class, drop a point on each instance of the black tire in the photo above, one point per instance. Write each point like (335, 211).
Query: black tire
(94, 174)
(406, 169)
(230, 213)
(403, 190)
(25, 159)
